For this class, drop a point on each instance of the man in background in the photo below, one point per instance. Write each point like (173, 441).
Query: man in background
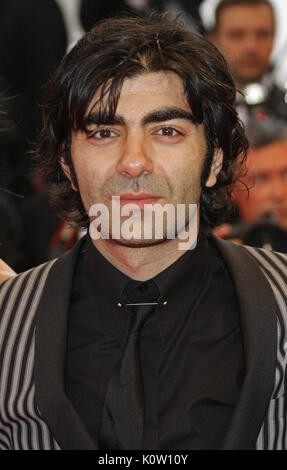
(244, 32)
(266, 175)
(261, 196)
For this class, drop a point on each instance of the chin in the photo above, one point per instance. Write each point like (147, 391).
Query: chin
(140, 243)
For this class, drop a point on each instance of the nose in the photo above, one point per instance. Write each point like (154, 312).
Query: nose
(134, 159)
(251, 42)
(279, 189)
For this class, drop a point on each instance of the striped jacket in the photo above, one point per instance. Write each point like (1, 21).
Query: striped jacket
(35, 412)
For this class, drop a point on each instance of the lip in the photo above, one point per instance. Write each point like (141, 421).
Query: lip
(139, 199)
(131, 196)
(250, 63)
(280, 212)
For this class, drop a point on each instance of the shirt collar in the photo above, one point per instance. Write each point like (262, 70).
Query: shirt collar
(106, 280)
(179, 283)
(186, 271)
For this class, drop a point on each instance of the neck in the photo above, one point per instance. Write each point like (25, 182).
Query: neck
(241, 84)
(140, 263)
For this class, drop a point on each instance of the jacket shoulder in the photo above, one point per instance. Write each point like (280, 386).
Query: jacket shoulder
(269, 261)
(248, 264)
(274, 267)
(20, 292)
(33, 272)
(37, 275)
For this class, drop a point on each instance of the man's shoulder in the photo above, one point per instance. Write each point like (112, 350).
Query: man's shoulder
(273, 265)
(51, 278)
(276, 101)
(248, 258)
(268, 259)
(260, 255)
(28, 279)
(36, 273)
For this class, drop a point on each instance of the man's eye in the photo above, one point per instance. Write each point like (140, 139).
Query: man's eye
(103, 134)
(168, 132)
(264, 34)
(260, 178)
(236, 35)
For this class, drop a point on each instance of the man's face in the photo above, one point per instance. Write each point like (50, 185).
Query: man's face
(151, 152)
(245, 36)
(267, 177)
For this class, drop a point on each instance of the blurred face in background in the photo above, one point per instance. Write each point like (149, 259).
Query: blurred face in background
(244, 35)
(267, 179)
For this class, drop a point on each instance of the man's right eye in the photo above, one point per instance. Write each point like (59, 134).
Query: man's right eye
(260, 178)
(236, 35)
(103, 133)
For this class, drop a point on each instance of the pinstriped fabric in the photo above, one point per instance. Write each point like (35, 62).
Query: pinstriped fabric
(21, 424)
(273, 434)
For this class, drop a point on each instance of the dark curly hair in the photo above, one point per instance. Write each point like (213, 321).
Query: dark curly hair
(123, 47)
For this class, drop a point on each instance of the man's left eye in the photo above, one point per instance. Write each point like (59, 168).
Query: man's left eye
(168, 132)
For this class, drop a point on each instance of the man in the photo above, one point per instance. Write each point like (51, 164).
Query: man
(262, 209)
(244, 32)
(266, 175)
(141, 113)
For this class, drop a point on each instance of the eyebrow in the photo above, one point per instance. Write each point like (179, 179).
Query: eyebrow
(167, 114)
(100, 119)
(161, 115)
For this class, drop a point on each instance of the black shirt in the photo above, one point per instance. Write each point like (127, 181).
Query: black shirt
(191, 348)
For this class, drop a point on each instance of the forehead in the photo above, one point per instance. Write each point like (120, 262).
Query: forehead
(271, 158)
(147, 91)
(246, 16)
(153, 82)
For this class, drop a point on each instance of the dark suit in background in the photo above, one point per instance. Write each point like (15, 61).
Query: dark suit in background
(93, 11)
(32, 42)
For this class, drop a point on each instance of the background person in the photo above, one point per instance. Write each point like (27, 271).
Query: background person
(262, 209)
(266, 175)
(244, 32)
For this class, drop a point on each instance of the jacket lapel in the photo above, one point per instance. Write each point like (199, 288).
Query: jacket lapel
(258, 314)
(50, 345)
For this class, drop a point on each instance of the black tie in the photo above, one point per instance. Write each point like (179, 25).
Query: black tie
(123, 411)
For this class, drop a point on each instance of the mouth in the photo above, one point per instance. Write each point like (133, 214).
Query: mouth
(280, 212)
(250, 62)
(138, 199)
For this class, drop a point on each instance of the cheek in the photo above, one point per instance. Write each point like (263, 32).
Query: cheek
(90, 183)
(88, 169)
(252, 206)
(266, 50)
(188, 184)
(231, 51)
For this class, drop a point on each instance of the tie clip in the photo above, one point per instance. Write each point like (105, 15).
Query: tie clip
(164, 304)
(142, 303)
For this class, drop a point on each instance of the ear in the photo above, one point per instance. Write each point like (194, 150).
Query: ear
(67, 172)
(215, 168)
